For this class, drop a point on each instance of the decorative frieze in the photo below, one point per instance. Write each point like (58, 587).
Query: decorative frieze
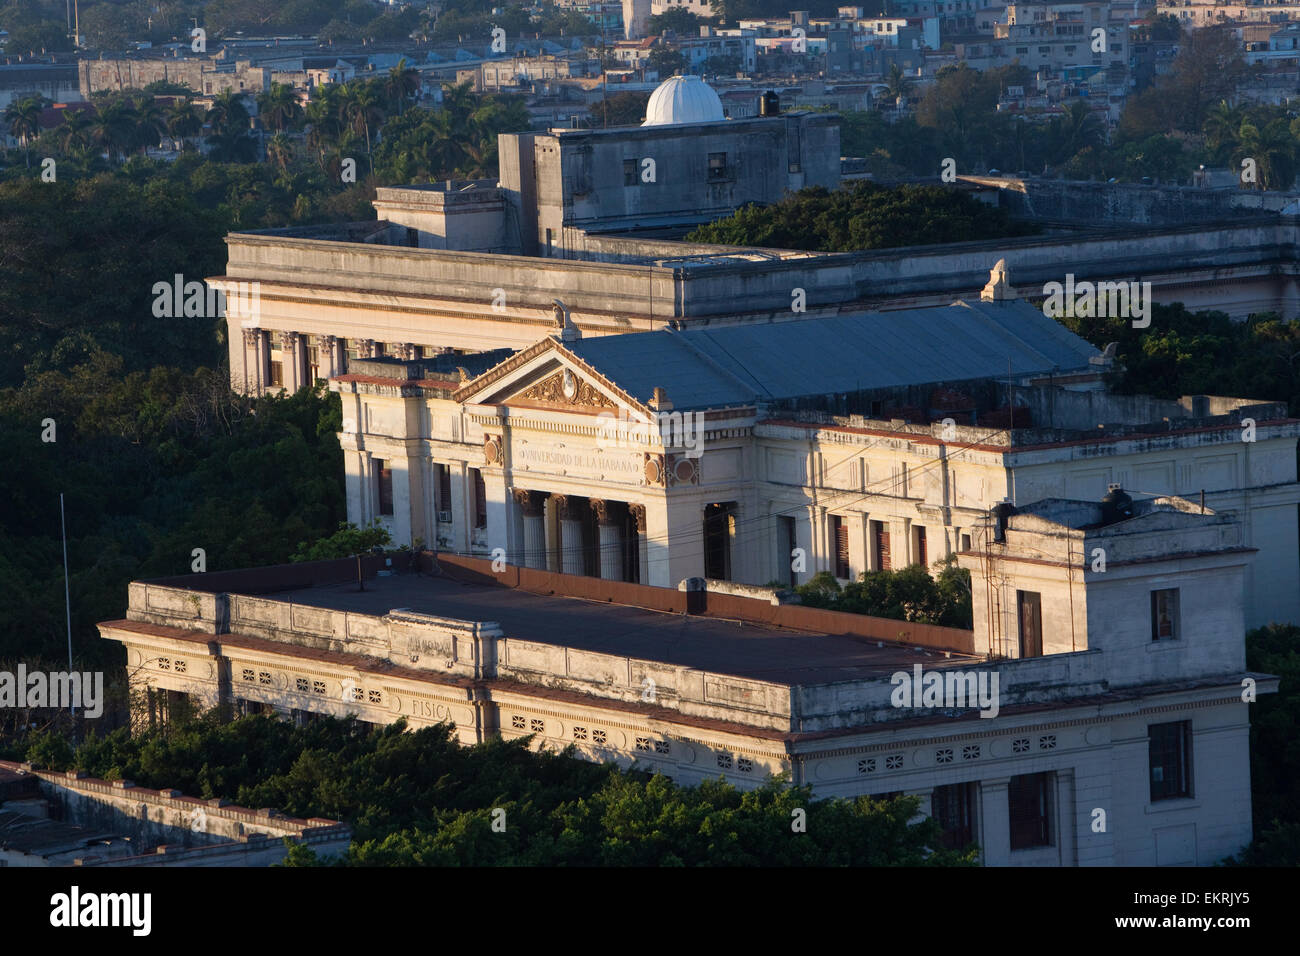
(565, 388)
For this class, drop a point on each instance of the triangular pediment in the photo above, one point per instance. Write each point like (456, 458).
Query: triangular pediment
(546, 376)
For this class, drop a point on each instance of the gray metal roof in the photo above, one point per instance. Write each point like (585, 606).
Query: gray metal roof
(732, 365)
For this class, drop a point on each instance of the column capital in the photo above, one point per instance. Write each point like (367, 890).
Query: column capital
(251, 337)
(530, 502)
(291, 340)
(638, 515)
(564, 506)
(329, 341)
(601, 508)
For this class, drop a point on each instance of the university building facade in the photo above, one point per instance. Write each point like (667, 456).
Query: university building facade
(1090, 717)
(847, 445)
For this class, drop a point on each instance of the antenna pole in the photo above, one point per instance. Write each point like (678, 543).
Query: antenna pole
(67, 592)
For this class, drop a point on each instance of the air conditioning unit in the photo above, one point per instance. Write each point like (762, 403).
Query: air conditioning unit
(444, 517)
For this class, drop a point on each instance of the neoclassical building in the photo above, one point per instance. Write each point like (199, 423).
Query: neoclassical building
(1093, 716)
(768, 453)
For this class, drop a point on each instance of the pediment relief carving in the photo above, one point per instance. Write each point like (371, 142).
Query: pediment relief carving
(564, 389)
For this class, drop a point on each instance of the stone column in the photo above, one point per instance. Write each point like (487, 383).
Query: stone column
(995, 822)
(863, 535)
(1067, 832)
(815, 558)
(332, 356)
(263, 360)
(295, 353)
(530, 505)
(570, 535)
(611, 541)
(253, 367)
(642, 544)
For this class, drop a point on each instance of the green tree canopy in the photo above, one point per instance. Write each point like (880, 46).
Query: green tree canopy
(862, 216)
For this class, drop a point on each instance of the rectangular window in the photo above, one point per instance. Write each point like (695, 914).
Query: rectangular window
(1028, 804)
(1164, 614)
(313, 363)
(785, 559)
(922, 553)
(840, 540)
(717, 166)
(384, 486)
(965, 542)
(1170, 750)
(880, 541)
(350, 353)
(1030, 604)
(953, 807)
(277, 374)
(629, 172)
(480, 499)
(442, 474)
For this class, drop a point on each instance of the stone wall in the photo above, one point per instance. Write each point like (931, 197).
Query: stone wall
(1128, 204)
(173, 822)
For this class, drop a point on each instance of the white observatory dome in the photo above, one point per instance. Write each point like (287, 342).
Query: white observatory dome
(683, 99)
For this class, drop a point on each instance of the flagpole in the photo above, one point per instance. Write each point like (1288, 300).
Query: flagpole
(67, 594)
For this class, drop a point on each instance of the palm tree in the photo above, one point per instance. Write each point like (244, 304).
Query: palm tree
(361, 109)
(1273, 151)
(227, 113)
(184, 121)
(403, 83)
(279, 107)
(458, 100)
(73, 134)
(231, 146)
(1076, 130)
(322, 119)
(280, 151)
(112, 127)
(898, 84)
(445, 151)
(1222, 130)
(24, 121)
(150, 122)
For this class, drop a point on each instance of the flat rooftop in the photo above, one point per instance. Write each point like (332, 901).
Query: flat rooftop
(712, 644)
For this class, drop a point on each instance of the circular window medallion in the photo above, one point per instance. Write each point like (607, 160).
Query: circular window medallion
(570, 385)
(654, 470)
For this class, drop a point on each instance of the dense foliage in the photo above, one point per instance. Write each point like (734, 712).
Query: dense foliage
(343, 543)
(152, 465)
(422, 799)
(130, 414)
(111, 24)
(1185, 119)
(909, 594)
(1275, 748)
(863, 216)
(1190, 353)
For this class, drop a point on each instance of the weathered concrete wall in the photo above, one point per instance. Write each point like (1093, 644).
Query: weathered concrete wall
(199, 75)
(1128, 204)
(55, 82)
(581, 179)
(187, 831)
(468, 216)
